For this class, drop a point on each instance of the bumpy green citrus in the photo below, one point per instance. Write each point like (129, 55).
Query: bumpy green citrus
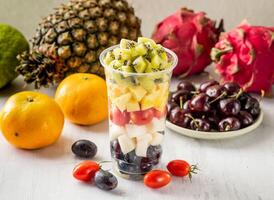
(12, 42)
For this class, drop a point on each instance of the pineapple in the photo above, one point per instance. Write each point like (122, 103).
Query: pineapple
(71, 39)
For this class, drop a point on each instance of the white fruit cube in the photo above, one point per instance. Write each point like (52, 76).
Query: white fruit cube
(122, 101)
(156, 125)
(116, 131)
(138, 92)
(132, 105)
(157, 139)
(142, 144)
(127, 144)
(135, 131)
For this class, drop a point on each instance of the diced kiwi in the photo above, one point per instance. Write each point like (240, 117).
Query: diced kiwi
(140, 64)
(115, 64)
(109, 57)
(141, 49)
(127, 44)
(127, 68)
(147, 41)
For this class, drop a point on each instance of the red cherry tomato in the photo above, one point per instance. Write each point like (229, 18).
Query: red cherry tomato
(181, 168)
(157, 179)
(119, 118)
(86, 170)
(159, 114)
(142, 117)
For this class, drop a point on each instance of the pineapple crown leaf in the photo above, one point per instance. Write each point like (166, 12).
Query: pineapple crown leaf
(37, 68)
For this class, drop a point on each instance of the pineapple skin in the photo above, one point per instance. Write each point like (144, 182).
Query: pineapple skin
(75, 35)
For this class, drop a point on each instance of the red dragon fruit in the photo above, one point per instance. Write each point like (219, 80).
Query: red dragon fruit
(191, 36)
(246, 55)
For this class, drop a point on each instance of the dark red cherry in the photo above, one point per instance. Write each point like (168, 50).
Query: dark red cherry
(215, 91)
(180, 94)
(200, 103)
(252, 105)
(186, 85)
(245, 118)
(229, 106)
(199, 125)
(170, 106)
(186, 105)
(231, 88)
(207, 84)
(179, 117)
(229, 124)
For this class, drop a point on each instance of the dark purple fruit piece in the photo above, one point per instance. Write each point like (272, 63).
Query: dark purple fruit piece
(154, 154)
(246, 118)
(126, 167)
(215, 91)
(145, 165)
(200, 125)
(105, 180)
(116, 151)
(200, 103)
(186, 85)
(178, 116)
(84, 149)
(229, 106)
(170, 106)
(131, 157)
(207, 84)
(180, 95)
(229, 124)
(231, 88)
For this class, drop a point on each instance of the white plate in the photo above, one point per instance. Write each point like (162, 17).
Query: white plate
(215, 135)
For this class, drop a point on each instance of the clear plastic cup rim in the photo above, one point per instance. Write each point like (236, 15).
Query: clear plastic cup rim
(168, 70)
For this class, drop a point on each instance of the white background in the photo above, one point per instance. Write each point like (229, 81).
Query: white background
(237, 169)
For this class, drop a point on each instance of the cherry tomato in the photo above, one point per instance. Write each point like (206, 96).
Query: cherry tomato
(86, 170)
(142, 117)
(181, 168)
(157, 179)
(159, 114)
(119, 118)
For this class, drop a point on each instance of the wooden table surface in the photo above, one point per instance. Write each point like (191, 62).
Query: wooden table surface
(240, 168)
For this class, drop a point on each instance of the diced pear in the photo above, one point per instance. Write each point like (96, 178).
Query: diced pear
(156, 125)
(135, 131)
(116, 131)
(143, 144)
(127, 44)
(138, 92)
(157, 139)
(147, 41)
(132, 105)
(127, 144)
(140, 64)
(122, 101)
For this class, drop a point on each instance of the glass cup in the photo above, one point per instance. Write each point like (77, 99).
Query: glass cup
(137, 114)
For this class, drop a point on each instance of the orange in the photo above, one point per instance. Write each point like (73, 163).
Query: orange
(83, 98)
(31, 120)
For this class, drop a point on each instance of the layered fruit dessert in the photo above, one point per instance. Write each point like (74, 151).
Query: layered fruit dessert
(138, 76)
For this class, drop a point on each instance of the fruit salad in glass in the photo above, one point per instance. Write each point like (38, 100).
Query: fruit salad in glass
(138, 76)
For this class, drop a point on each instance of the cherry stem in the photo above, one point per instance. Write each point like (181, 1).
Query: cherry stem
(181, 102)
(193, 119)
(238, 94)
(217, 98)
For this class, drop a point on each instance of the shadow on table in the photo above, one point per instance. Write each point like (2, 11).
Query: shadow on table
(56, 151)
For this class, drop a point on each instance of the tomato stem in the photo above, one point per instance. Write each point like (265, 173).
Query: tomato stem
(192, 170)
